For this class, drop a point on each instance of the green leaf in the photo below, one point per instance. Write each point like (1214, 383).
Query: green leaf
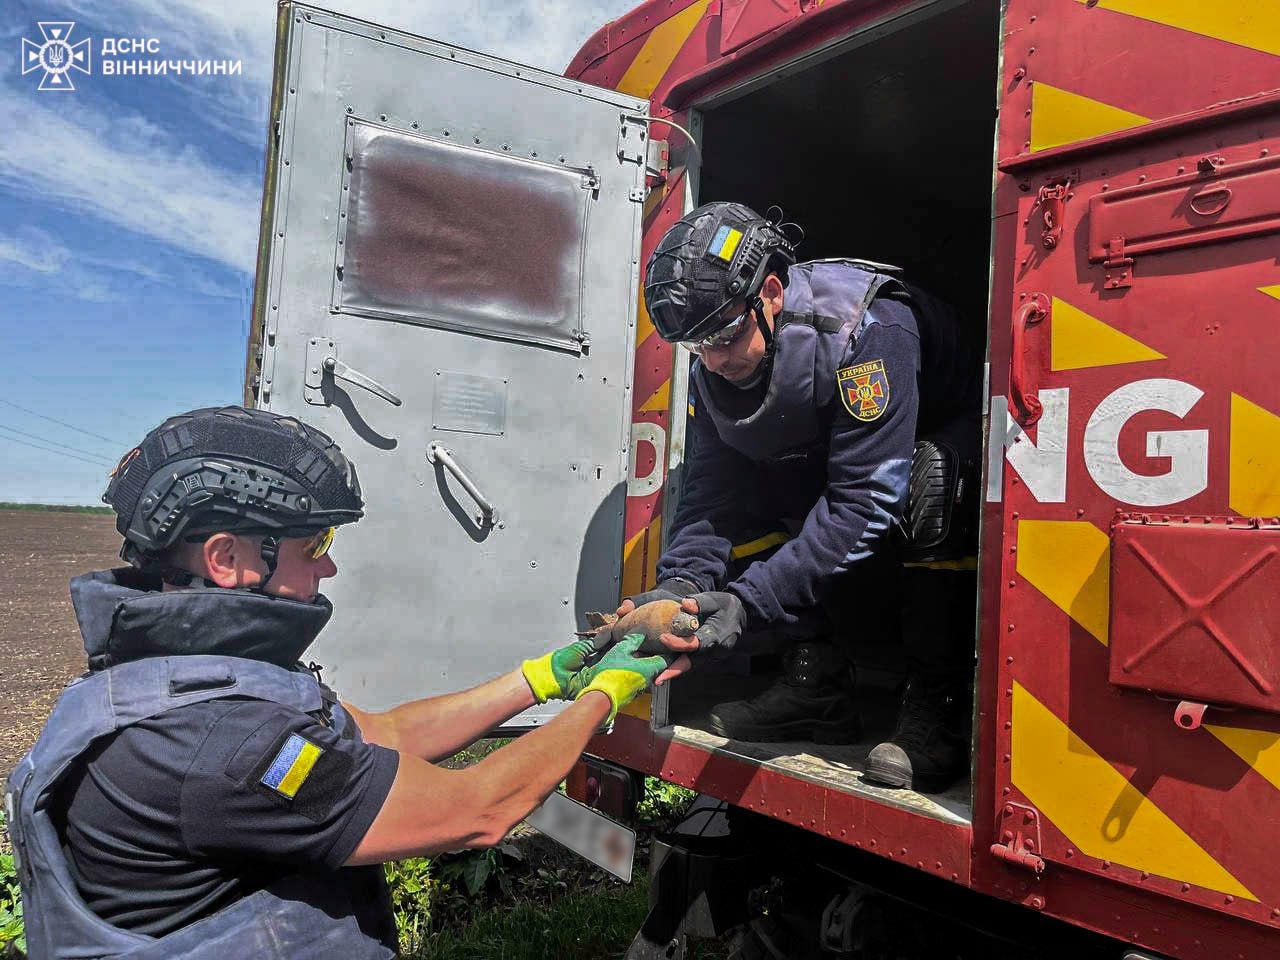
(476, 873)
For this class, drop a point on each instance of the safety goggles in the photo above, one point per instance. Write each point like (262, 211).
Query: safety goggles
(726, 336)
(318, 544)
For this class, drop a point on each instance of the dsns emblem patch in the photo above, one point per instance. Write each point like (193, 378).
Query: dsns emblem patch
(864, 390)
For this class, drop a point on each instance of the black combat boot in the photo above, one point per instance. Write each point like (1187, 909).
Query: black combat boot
(929, 749)
(813, 700)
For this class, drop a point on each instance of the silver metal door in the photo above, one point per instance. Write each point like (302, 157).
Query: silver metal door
(450, 256)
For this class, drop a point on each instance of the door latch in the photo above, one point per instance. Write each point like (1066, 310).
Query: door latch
(322, 361)
(1051, 201)
(1019, 830)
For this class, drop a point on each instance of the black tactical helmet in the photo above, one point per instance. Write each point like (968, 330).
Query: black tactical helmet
(713, 256)
(230, 469)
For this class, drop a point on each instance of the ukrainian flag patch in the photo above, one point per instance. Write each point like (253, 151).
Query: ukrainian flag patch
(289, 770)
(725, 242)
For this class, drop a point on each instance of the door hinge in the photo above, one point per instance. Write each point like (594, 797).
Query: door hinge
(657, 162)
(1019, 829)
(1052, 203)
(1119, 268)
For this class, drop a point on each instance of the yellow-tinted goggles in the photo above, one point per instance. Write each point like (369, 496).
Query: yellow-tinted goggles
(318, 544)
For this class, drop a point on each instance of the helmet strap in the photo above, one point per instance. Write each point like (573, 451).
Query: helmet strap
(270, 553)
(757, 308)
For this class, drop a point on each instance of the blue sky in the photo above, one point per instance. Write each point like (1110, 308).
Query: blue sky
(129, 208)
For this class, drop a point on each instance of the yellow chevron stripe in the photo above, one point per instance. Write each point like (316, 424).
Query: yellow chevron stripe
(1254, 485)
(1248, 23)
(1258, 748)
(1059, 117)
(659, 51)
(639, 707)
(1078, 340)
(1097, 809)
(1067, 561)
(644, 326)
(1271, 291)
(653, 201)
(661, 398)
(634, 565)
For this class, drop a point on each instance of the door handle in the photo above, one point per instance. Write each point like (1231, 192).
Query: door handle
(1210, 203)
(438, 453)
(1027, 408)
(322, 359)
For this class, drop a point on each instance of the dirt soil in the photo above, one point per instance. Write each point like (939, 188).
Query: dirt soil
(40, 647)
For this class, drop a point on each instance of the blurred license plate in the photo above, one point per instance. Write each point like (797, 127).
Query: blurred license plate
(589, 834)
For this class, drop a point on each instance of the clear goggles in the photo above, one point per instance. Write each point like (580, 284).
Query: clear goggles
(726, 336)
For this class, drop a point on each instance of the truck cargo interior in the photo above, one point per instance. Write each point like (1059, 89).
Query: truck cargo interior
(883, 151)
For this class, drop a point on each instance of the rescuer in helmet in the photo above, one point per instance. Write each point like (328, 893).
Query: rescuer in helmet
(812, 385)
(201, 794)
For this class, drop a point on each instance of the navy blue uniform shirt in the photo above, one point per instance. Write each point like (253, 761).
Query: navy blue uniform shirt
(837, 503)
(176, 817)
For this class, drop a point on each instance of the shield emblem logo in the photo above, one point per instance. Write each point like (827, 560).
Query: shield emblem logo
(864, 390)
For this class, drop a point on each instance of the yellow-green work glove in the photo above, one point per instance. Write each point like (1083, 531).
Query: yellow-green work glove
(548, 676)
(619, 674)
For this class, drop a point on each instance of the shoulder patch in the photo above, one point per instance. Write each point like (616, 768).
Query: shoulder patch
(292, 765)
(864, 390)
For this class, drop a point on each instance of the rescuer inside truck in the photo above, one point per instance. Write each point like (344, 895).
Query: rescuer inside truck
(813, 385)
(201, 794)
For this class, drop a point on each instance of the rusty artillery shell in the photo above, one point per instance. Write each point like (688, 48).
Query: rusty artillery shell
(653, 620)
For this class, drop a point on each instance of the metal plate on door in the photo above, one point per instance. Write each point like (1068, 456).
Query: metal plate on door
(468, 403)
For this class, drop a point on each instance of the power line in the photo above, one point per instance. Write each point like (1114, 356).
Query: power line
(62, 423)
(54, 443)
(72, 456)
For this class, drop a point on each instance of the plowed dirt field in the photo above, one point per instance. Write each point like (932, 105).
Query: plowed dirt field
(39, 644)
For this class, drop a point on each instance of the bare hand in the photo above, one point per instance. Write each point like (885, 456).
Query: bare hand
(681, 645)
(679, 666)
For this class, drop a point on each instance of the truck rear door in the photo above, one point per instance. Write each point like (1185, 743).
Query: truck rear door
(447, 285)
(1130, 628)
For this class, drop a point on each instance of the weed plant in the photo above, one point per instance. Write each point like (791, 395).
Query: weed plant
(11, 929)
(497, 903)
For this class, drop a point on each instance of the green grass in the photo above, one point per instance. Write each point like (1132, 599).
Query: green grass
(491, 904)
(576, 926)
(53, 507)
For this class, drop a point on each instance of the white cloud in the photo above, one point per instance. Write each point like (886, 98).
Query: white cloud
(35, 250)
(179, 197)
(126, 168)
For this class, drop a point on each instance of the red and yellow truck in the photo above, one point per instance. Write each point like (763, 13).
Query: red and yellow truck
(1095, 181)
